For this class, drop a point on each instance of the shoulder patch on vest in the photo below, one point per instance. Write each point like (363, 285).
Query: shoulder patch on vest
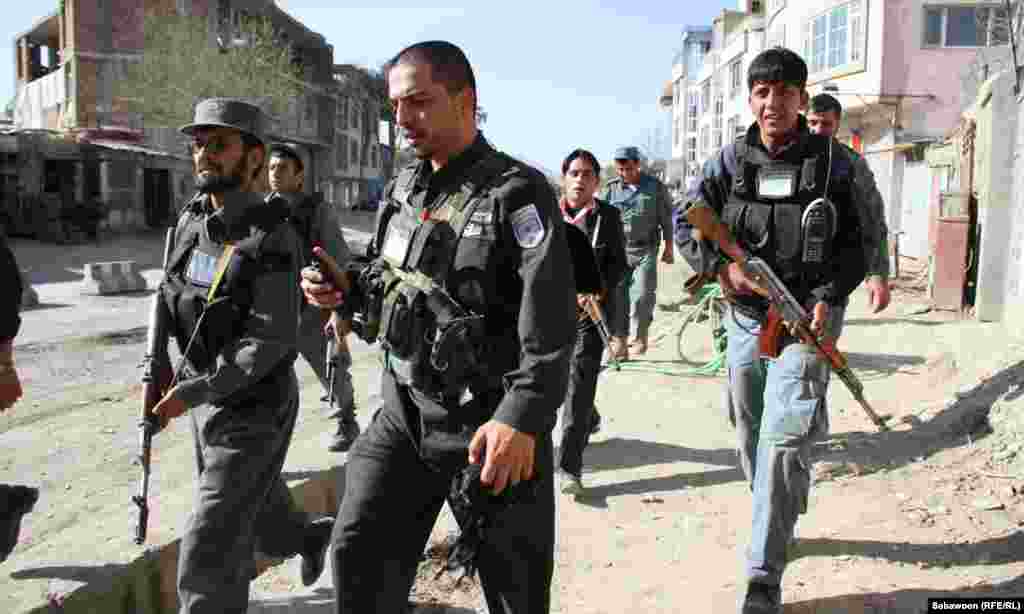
(527, 226)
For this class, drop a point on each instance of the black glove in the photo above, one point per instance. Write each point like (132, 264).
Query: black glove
(475, 507)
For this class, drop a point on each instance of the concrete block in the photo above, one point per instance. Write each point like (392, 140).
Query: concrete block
(29, 296)
(112, 278)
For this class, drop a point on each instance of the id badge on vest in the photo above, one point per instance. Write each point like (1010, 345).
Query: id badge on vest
(202, 268)
(398, 239)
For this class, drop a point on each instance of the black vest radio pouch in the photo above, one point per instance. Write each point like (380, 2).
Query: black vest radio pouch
(819, 224)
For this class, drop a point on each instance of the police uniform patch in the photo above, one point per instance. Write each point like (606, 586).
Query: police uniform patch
(527, 226)
(202, 268)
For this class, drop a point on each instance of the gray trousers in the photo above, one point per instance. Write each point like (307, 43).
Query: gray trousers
(312, 344)
(636, 296)
(240, 497)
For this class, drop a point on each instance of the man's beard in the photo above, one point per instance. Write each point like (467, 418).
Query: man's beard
(218, 183)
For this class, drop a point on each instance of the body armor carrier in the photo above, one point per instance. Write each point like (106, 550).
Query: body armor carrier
(780, 209)
(431, 342)
(208, 289)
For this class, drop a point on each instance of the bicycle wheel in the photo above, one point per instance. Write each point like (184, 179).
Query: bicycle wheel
(695, 341)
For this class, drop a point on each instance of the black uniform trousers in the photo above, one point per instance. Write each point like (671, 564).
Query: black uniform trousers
(240, 497)
(578, 409)
(396, 481)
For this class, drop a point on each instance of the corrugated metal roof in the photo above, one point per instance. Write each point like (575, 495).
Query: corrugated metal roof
(121, 146)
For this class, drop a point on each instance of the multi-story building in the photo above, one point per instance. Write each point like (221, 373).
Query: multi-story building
(709, 102)
(94, 153)
(895, 65)
(358, 174)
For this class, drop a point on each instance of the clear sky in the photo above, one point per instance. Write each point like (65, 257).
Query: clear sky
(552, 75)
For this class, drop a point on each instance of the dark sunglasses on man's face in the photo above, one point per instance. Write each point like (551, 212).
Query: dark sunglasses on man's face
(213, 145)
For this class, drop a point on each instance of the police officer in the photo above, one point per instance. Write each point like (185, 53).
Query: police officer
(485, 229)
(317, 225)
(762, 186)
(602, 224)
(15, 501)
(646, 211)
(230, 292)
(823, 117)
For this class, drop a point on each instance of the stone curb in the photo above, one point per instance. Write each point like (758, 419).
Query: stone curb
(112, 278)
(147, 585)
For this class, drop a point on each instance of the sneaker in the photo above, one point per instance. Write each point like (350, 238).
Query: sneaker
(348, 430)
(762, 599)
(314, 548)
(595, 422)
(639, 345)
(18, 501)
(571, 484)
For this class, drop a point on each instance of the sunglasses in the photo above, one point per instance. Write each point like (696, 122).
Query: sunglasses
(213, 145)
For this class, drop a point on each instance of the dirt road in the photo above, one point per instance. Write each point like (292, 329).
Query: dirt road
(932, 508)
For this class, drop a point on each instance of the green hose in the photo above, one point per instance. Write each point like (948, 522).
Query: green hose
(711, 368)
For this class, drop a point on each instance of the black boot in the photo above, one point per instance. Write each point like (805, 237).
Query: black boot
(348, 430)
(15, 502)
(762, 599)
(314, 548)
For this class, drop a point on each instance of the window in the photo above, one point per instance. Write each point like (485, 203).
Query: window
(965, 26)
(717, 121)
(730, 126)
(355, 115)
(735, 78)
(705, 97)
(835, 38)
(675, 132)
(691, 149)
(738, 129)
(343, 113)
(341, 151)
(691, 112)
(354, 155)
(705, 140)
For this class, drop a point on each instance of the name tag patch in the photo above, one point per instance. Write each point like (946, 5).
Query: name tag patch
(527, 226)
(202, 268)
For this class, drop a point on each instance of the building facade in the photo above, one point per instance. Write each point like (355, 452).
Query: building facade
(69, 124)
(894, 65)
(360, 139)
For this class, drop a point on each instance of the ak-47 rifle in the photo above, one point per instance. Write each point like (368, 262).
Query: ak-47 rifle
(594, 311)
(783, 303)
(156, 379)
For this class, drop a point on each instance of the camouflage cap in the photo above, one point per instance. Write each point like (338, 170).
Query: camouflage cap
(627, 153)
(227, 113)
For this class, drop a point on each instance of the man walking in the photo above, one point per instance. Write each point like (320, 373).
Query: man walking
(765, 187)
(233, 308)
(602, 224)
(646, 209)
(823, 117)
(475, 260)
(317, 225)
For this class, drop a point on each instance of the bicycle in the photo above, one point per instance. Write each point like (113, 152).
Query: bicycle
(701, 339)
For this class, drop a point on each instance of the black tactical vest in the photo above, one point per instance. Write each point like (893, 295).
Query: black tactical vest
(193, 269)
(447, 255)
(772, 228)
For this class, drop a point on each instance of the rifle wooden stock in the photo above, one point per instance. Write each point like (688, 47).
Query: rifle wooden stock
(596, 314)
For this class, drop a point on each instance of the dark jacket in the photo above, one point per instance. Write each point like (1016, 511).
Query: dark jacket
(10, 292)
(846, 268)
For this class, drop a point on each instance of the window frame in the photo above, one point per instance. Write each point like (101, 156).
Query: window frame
(854, 33)
(992, 8)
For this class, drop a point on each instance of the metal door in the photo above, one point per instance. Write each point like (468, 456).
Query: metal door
(917, 183)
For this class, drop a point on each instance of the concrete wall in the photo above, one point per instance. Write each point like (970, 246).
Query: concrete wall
(994, 172)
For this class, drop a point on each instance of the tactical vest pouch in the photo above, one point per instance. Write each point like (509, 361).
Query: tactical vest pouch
(404, 333)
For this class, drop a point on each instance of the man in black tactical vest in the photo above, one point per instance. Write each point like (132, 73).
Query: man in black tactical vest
(233, 308)
(788, 197)
(318, 225)
(473, 288)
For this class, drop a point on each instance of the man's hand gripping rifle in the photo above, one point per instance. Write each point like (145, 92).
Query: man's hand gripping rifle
(593, 310)
(784, 305)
